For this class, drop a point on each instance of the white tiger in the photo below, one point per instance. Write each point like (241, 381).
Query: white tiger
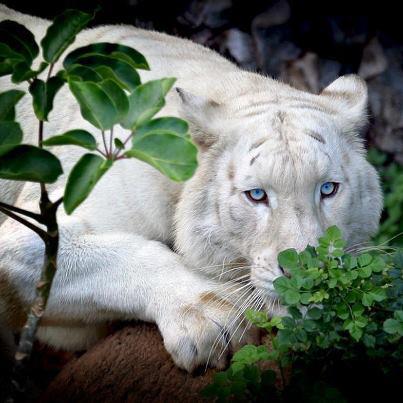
(277, 166)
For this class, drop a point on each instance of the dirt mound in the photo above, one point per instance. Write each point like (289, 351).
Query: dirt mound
(131, 365)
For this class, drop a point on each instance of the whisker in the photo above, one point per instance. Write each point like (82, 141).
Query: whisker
(221, 335)
(241, 311)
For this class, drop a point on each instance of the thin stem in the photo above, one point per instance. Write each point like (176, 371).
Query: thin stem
(117, 153)
(43, 287)
(26, 213)
(23, 221)
(101, 152)
(40, 133)
(111, 141)
(105, 146)
(50, 71)
(58, 202)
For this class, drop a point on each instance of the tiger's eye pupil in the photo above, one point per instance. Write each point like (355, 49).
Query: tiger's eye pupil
(256, 195)
(328, 189)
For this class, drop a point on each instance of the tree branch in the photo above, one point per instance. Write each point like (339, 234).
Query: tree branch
(26, 213)
(23, 221)
(57, 203)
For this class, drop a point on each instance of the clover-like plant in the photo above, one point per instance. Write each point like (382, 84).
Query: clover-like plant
(342, 310)
(104, 80)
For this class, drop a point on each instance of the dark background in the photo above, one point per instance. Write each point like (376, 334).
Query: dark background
(304, 42)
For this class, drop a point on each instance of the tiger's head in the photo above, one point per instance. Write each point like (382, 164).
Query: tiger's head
(277, 166)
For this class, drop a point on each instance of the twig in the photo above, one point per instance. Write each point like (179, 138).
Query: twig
(111, 141)
(26, 213)
(105, 146)
(23, 221)
(116, 156)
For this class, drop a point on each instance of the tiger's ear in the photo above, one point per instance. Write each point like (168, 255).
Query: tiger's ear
(201, 113)
(348, 96)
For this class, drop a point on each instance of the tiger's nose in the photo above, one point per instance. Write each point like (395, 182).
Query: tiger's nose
(284, 272)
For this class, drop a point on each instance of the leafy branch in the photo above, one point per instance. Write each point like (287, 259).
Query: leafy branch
(104, 80)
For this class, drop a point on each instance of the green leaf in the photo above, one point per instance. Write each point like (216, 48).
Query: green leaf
(333, 233)
(365, 272)
(397, 258)
(82, 179)
(145, 101)
(358, 309)
(118, 144)
(282, 284)
(19, 40)
(172, 154)
(95, 104)
(364, 259)
(115, 50)
(8, 100)
(309, 325)
(118, 97)
(369, 340)
(10, 136)
(294, 312)
(251, 354)
(120, 70)
(9, 57)
(354, 329)
(377, 264)
(29, 163)
(73, 137)
(306, 298)
(171, 124)
(291, 297)
(367, 299)
(62, 32)
(6, 65)
(378, 294)
(288, 259)
(314, 313)
(43, 94)
(398, 315)
(342, 311)
(82, 73)
(22, 72)
(393, 326)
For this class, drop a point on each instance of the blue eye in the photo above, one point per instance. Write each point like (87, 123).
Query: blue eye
(257, 195)
(329, 189)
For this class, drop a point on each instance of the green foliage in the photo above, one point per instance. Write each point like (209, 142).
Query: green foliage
(10, 136)
(79, 138)
(8, 100)
(391, 174)
(244, 381)
(82, 179)
(172, 154)
(115, 50)
(43, 94)
(341, 308)
(28, 163)
(145, 101)
(103, 78)
(96, 105)
(62, 33)
(17, 43)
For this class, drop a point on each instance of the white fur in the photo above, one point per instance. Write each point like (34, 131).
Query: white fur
(114, 262)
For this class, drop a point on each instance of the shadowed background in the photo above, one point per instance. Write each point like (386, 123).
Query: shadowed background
(304, 42)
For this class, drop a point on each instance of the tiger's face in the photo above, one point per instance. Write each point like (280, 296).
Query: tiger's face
(274, 174)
